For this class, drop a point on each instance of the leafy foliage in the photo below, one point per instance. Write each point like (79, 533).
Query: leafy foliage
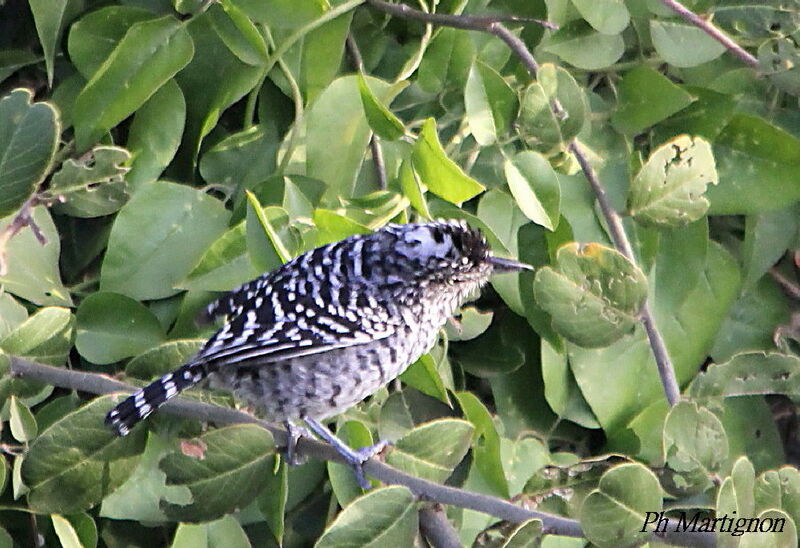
(153, 154)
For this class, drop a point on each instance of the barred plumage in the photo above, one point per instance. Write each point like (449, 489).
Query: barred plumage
(327, 329)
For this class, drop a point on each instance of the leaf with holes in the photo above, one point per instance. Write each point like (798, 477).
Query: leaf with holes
(695, 443)
(668, 191)
(94, 184)
(593, 295)
(749, 374)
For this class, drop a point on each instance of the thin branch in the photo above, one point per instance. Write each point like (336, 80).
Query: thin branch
(465, 22)
(426, 490)
(437, 529)
(712, 31)
(666, 371)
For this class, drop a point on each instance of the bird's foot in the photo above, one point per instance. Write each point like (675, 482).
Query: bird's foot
(355, 458)
(294, 433)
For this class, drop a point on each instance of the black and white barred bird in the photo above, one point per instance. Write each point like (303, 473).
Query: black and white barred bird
(327, 329)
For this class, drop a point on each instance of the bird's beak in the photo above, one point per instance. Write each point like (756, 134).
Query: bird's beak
(507, 265)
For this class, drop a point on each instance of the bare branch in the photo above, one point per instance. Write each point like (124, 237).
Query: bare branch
(426, 490)
(437, 529)
(712, 31)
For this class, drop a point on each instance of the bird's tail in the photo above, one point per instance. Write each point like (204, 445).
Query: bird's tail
(143, 402)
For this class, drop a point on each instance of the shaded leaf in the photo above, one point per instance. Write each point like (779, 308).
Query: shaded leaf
(63, 464)
(111, 327)
(28, 140)
(431, 451)
(382, 517)
(231, 472)
(94, 184)
(612, 515)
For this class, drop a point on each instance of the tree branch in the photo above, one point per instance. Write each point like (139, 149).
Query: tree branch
(712, 31)
(95, 383)
(437, 529)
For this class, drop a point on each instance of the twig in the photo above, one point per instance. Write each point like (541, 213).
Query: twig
(374, 142)
(666, 371)
(712, 31)
(786, 284)
(23, 218)
(465, 22)
(427, 490)
(437, 529)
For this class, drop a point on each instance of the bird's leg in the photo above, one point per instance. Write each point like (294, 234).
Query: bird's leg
(294, 433)
(354, 457)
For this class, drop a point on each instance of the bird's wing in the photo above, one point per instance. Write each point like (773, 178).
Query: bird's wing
(272, 320)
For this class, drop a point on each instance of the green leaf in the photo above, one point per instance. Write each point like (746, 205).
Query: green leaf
(164, 358)
(227, 472)
(594, 296)
(528, 534)
(683, 45)
(486, 441)
(23, 424)
(612, 515)
(94, 36)
(777, 60)
(28, 140)
(413, 190)
(334, 226)
(468, 324)
(423, 375)
(272, 501)
(225, 264)
(238, 32)
(447, 61)
(645, 98)
(668, 191)
(148, 256)
(51, 18)
(489, 104)
(439, 173)
(339, 112)
(607, 17)
(381, 120)
(33, 271)
(747, 374)
(44, 337)
(695, 443)
(541, 127)
(93, 185)
(75, 530)
(213, 80)
(63, 464)
(343, 482)
(747, 146)
(12, 313)
(264, 243)
(382, 517)
(580, 45)
(242, 159)
(11, 60)
(111, 327)
(149, 55)
(155, 134)
(535, 187)
(431, 451)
